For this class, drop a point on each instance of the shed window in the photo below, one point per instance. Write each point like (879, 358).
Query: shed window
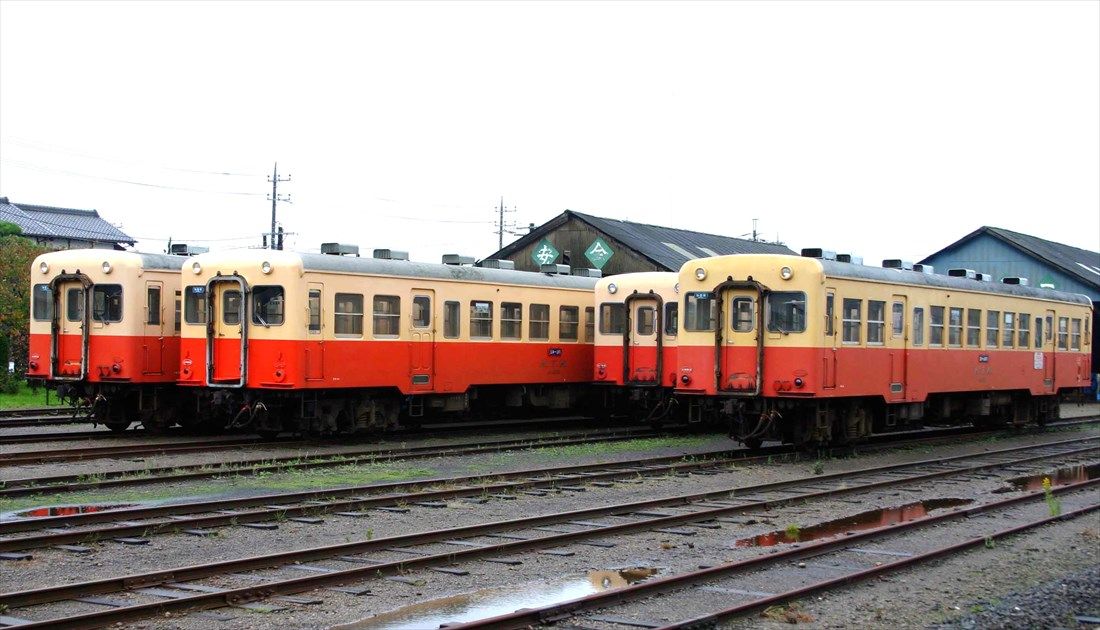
(452, 319)
(481, 320)
(539, 328)
(973, 327)
(152, 306)
(268, 306)
(42, 303)
(935, 326)
(348, 314)
(194, 304)
(672, 318)
(231, 307)
(699, 310)
(568, 322)
(852, 319)
(1009, 330)
(918, 326)
(589, 323)
(954, 327)
(387, 316)
(314, 304)
(876, 322)
(992, 328)
(743, 316)
(612, 318)
(1025, 330)
(647, 320)
(107, 303)
(511, 320)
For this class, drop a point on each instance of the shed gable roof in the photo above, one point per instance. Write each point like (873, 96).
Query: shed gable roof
(51, 222)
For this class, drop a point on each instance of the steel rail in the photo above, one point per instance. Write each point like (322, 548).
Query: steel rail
(236, 596)
(101, 452)
(33, 411)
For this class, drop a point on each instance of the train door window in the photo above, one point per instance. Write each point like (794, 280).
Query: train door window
(918, 326)
(1009, 329)
(194, 304)
(387, 316)
(481, 320)
(74, 305)
(590, 323)
(1025, 330)
(787, 311)
(742, 317)
(1075, 334)
(421, 311)
(876, 322)
(231, 307)
(672, 318)
(699, 311)
(1088, 335)
(152, 306)
(511, 320)
(268, 306)
(1038, 331)
(177, 312)
(347, 315)
(954, 327)
(973, 327)
(647, 320)
(992, 328)
(539, 327)
(935, 326)
(852, 320)
(107, 303)
(314, 304)
(897, 320)
(830, 300)
(612, 318)
(568, 322)
(452, 318)
(42, 303)
(1050, 327)
(1063, 333)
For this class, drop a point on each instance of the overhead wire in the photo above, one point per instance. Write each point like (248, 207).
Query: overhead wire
(53, 148)
(47, 169)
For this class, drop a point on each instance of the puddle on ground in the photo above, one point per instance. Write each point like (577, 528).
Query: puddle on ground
(69, 510)
(871, 519)
(1060, 477)
(492, 602)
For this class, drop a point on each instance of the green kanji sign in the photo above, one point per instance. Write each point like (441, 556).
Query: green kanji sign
(545, 253)
(598, 253)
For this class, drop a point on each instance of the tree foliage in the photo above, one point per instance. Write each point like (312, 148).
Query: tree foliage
(7, 229)
(16, 255)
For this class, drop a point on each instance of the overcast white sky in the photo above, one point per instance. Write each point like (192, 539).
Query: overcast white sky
(884, 129)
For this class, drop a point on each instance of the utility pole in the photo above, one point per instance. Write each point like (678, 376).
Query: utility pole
(501, 226)
(275, 198)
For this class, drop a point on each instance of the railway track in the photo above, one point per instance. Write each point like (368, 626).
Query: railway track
(139, 450)
(175, 589)
(32, 411)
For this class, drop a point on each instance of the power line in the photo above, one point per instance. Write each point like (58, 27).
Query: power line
(53, 148)
(46, 169)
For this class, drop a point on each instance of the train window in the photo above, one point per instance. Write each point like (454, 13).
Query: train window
(647, 320)
(699, 310)
(918, 326)
(74, 305)
(973, 327)
(1063, 333)
(42, 306)
(742, 317)
(152, 306)
(231, 307)
(268, 306)
(954, 327)
(347, 314)
(481, 320)
(1009, 329)
(852, 320)
(589, 323)
(1075, 334)
(452, 320)
(177, 313)
(1025, 330)
(897, 320)
(992, 328)
(194, 304)
(612, 318)
(935, 326)
(540, 321)
(1050, 327)
(421, 311)
(787, 311)
(511, 320)
(387, 316)
(672, 318)
(1038, 332)
(876, 322)
(830, 300)
(107, 303)
(568, 321)
(1088, 335)
(314, 304)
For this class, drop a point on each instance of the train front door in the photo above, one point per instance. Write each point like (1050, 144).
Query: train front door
(226, 331)
(153, 333)
(70, 327)
(739, 338)
(642, 340)
(422, 336)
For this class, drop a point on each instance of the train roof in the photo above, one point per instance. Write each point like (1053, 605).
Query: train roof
(96, 256)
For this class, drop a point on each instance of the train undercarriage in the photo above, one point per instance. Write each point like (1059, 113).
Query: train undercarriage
(120, 405)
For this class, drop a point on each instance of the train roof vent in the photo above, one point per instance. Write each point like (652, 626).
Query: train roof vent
(848, 258)
(391, 254)
(493, 263)
(963, 273)
(339, 249)
(817, 252)
(183, 249)
(552, 269)
(1015, 280)
(924, 268)
(456, 259)
(587, 272)
(897, 263)
(983, 277)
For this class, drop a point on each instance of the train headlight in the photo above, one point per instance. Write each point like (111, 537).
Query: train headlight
(43, 267)
(700, 274)
(196, 267)
(612, 288)
(106, 267)
(786, 273)
(265, 267)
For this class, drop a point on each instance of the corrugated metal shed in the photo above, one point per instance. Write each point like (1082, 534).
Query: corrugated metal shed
(48, 222)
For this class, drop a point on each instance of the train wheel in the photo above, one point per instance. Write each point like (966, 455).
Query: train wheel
(268, 434)
(118, 426)
(753, 444)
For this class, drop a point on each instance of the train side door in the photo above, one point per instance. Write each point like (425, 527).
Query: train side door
(422, 339)
(69, 341)
(315, 342)
(226, 331)
(740, 349)
(828, 374)
(642, 340)
(899, 347)
(153, 332)
(1048, 352)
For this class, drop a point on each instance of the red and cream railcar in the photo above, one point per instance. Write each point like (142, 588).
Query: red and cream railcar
(314, 342)
(103, 332)
(636, 340)
(811, 350)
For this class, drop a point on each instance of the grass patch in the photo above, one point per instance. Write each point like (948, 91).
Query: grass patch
(25, 397)
(350, 475)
